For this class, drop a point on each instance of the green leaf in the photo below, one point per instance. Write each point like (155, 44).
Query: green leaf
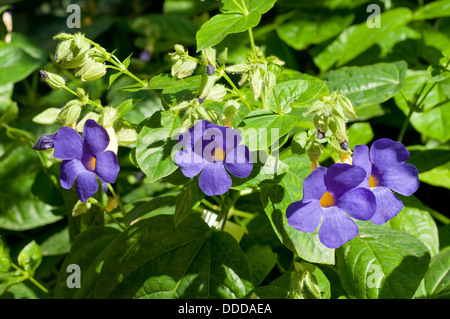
(436, 283)
(19, 208)
(237, 16)
(261, 260)
(299, 91)
(356, 39)
(438, 176)
(155, 259)
(359, 133)
(57, 244)
(48, 116)
(433, 10)
(434, 123)
(262, 128)
(126, 106)
(19, 59)
(301, 32)
(382, 263)
(187, 200)
(370, 84)
(276, 199)
(425, 159)
(416, 220)
(30, 257)
(155, 144)
(88, 251)
(5, 260)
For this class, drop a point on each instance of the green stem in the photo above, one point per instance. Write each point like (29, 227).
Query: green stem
(280, 111)
(102, 207)
(122, 209)
(405, 125)
(240, 213)
(235, 88)
(27, 275)
(252, 40)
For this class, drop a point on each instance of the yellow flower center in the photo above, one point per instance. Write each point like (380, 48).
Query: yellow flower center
(347, 159)
(219, 154)
(90, 165)
(373, 181)
(327, 200)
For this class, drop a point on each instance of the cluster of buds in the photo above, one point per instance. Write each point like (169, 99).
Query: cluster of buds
(76, 52)
(184, 64)
(331, 114)
(260, 72)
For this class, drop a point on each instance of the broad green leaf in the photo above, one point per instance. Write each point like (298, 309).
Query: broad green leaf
(165, 81)
(30, 257)
(19, 59)
(277, 198)
(434, 123)
(416, 220)
(368, 85)
(124, 107)
(57, 244)
(19, 208)
(438, 176)
(359, 133)
(436, 283)
(425, 159)
(356, 39)
(301, 32)
(261, 128)
(155, 259)
(154, 145)
(382, 263)
(188, 199)
(261, 261)
(237, 16)
(5, 260)
(88, 251)
(433, 10)
(288, 92)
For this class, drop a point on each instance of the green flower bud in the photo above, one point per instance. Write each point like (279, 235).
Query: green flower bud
(73, 62)
(209, 56)
(206, 87)
(63, 36)
(126, 137)
(256, 83)
(217, 93)
(237, 68)
(223, 57)
(63, 50)
(70, 113)
(338, 128)
(108, 117)
(184, 68)
(303, 283)
(181, 106)
(81, 208)
(230, 110)
(94, 72)
(269, 81)
(55, 81)
(179, 49)
(347, 105)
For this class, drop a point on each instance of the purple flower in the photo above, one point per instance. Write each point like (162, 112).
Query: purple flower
(328, 196)
(44, 142)
(211, 150)
(85, 159)
(386, 170)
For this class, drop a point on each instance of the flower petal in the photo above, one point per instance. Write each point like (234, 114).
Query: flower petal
(229, 138)
(107, 166)
(87, 185)
(386, 154)
(359, 203)
(304, 216)
(214, 179)
(361, 159)
(341, 178)
(403, 179)
(239, 161)
(68, 144)
(336, 228)
(95, 138)
(388, 205)
(314, 184)
(69, 171)
(191, 163)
